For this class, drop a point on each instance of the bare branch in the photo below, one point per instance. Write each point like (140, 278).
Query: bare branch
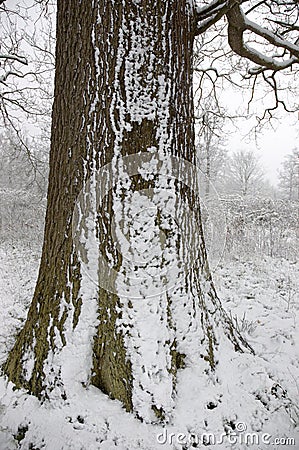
(289, 27)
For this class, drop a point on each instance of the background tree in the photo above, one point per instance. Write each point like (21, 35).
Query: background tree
(107, 309)
(244, 174)
(289, 176)
(27, 41)
(22, 190)
(210, 145)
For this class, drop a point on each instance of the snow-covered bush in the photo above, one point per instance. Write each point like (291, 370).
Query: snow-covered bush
(261, 226)
(22, 192)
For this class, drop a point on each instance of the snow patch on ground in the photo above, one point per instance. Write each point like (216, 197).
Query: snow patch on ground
(257, 393)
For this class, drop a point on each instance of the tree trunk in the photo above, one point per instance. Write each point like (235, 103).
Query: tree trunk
(124, 297)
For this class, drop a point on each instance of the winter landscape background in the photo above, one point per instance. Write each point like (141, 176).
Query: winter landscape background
(251, 227)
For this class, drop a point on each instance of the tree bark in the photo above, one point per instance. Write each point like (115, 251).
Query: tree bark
(124, 298)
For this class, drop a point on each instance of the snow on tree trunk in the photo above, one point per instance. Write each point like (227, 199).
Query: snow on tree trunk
(124, 298)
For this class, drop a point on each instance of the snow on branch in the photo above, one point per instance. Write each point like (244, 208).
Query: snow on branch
(238, 23)
(4, 77)
(20, 59)
(209, 14)
(11, 72)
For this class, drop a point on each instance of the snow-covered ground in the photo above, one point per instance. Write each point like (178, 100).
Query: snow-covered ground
(260, 293)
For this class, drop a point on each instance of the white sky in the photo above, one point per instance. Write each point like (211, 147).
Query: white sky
(271, 145)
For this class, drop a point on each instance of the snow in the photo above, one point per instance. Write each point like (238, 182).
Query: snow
(242, 23)
(245, 400)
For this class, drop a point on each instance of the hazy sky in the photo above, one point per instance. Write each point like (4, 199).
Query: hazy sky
(271, 145)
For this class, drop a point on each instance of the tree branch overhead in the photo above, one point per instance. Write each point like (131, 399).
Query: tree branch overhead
(238, 24)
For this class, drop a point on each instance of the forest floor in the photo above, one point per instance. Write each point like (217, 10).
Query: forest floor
(260, 293)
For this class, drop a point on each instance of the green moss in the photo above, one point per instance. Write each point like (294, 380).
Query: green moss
(21, 433)
(112, 371)
(159, 413)
(77, 312)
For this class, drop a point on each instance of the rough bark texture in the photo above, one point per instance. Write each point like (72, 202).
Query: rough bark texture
(123, 88)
